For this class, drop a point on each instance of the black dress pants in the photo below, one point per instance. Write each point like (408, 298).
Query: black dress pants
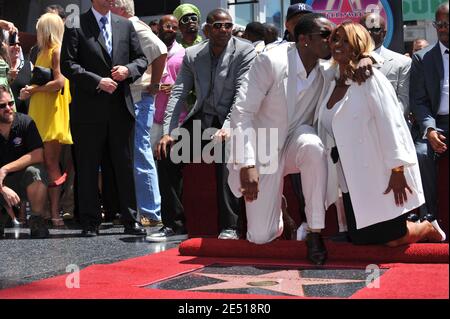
(171, 187)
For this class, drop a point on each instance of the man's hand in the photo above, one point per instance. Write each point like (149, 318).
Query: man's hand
(166, 88)
(120, 73)
(3, 173)
(108, 85)
(249, 183)
(26, 92)
(10, 196)
(221, 135)
(436, 140)
(161, 148)
(363, 70)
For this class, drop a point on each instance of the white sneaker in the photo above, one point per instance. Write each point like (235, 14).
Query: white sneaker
(228, 234)
(302, 231)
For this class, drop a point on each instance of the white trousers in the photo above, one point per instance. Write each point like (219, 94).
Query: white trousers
(305, 152)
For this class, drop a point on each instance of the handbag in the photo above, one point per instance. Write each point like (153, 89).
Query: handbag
(40, 75)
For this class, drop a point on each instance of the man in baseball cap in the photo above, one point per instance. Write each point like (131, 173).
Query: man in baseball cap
(294, 13)
(188, 17)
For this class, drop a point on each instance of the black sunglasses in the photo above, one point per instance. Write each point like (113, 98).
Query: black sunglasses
(440, 24)
(220, 25)
(375, 30)
(188, 19)
(323, 34)
(3, 105)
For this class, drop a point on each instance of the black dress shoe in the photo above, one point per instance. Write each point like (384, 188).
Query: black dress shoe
(413, 217)
(317, 252)
(135, 229)
(90, 231)
(428, 217)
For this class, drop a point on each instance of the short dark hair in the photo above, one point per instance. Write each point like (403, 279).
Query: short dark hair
(154, 22)
(58, 8)
(257, 29)
(306, 24)
(210, 17)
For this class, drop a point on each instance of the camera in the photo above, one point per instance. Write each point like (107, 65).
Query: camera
(13, 38)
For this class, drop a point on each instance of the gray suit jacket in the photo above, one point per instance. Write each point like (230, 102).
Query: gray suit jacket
(396, 68)
(427, 77)
(196, 73)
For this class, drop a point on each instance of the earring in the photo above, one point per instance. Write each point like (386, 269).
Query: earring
(306, 45)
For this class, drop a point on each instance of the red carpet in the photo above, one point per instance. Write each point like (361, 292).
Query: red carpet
(124, 280)
(337, 252)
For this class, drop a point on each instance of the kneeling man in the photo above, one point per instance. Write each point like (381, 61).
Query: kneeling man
(21, 174)
(277, 104)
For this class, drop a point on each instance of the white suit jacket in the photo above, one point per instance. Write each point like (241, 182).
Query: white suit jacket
(372, 137)
(268, 90)
(396, 68)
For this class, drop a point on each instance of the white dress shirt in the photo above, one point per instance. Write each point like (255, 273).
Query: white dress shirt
(98, 16)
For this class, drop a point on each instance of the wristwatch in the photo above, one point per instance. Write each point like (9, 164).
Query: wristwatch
(155, 86)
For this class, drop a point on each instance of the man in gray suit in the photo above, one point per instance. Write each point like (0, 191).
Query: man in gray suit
(395, 66)
(215, 68)
(429, 104)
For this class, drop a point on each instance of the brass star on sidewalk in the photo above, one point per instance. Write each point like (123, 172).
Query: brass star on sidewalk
(286, 281)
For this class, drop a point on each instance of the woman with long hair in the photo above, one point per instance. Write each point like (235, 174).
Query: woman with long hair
(49, 105)
(373, 159)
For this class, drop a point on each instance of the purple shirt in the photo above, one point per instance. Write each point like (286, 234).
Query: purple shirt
(173, 65)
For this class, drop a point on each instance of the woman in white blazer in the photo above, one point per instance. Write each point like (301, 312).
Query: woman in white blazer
(373, 159)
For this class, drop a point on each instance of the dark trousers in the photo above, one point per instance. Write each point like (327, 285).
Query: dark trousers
(296, 181)
(429, 169)
(110, 145)
(170, 178)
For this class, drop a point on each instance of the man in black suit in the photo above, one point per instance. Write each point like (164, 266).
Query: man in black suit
(429, 104)
(101, 57)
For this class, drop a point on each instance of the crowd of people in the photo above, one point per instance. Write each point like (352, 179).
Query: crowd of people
(94, 122)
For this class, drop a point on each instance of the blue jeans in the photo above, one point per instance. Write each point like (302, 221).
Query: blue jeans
(148, 198)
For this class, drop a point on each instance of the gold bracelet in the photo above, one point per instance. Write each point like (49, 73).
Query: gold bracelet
(398, 169)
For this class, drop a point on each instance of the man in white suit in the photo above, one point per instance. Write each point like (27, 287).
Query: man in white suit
(281, 91)
(394, 66)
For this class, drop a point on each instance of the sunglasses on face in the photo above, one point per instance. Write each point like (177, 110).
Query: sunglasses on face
(440, 24)
(325, 34)
(220, 25)
(375, 30)
(189, 19)
(170, 27)
(3, 105)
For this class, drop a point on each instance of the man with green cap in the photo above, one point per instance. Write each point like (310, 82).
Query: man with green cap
(188, 16)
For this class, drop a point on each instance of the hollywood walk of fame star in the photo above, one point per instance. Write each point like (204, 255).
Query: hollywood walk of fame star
(284, 281)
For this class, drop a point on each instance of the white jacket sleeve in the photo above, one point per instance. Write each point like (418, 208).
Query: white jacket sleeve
(394, 136)
(255, 86)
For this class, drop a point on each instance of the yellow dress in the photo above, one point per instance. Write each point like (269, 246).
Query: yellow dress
(50, 110)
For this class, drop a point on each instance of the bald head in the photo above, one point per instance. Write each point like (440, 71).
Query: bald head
(168, 28)
(375, 24)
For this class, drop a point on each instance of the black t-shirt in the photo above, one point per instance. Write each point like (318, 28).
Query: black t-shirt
(23, 138)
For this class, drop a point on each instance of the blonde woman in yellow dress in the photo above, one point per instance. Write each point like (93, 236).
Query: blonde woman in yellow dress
(49, 105)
